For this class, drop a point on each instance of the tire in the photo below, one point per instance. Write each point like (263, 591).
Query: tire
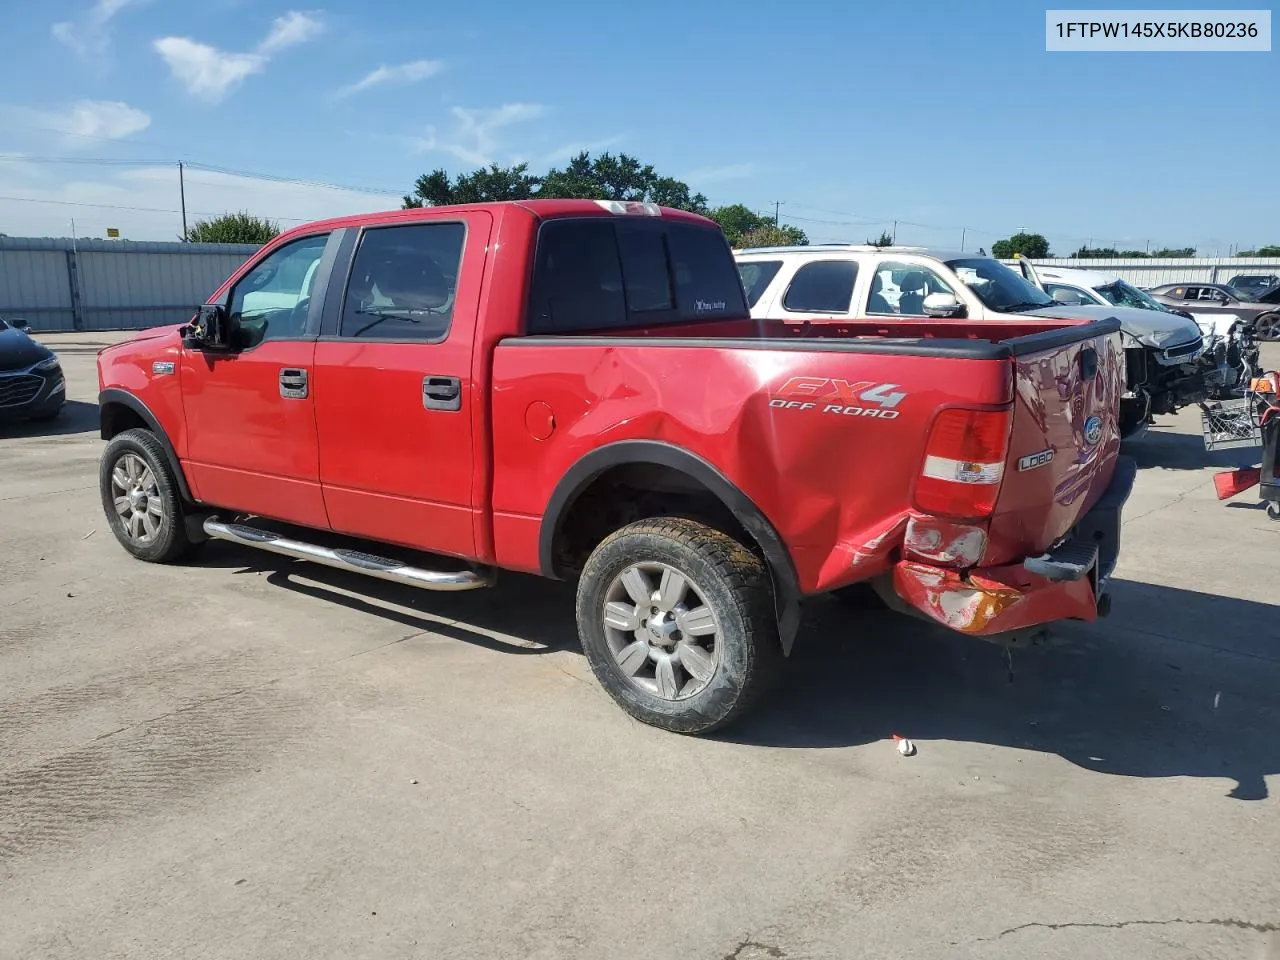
(1267, 327)
(653, 670)
(1273, 509)
(149, 525)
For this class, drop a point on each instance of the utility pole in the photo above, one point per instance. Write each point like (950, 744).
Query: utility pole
(963, 231)
(182, 194)
(894, 235)
(777, 204)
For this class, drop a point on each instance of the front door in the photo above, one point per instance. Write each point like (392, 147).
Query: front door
(395, 407)
(250, 413)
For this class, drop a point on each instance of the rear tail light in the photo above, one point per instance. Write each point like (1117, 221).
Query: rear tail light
(964, 463)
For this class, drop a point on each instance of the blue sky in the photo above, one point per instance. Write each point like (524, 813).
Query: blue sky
(944, 116)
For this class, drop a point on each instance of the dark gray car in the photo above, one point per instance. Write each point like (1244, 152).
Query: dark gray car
(1218, 298)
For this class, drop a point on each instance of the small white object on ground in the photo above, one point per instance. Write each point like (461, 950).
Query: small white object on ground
(905, 746)
(413, 781)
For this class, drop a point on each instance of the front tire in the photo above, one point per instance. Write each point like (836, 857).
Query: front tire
(677, 622)
(140, 498)
(1267, 327)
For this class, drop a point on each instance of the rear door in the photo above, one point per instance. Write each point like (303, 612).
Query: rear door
(394, 405)
(250, 419)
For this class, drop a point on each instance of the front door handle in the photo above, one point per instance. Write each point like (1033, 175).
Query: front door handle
(293, 383)
(441, 393)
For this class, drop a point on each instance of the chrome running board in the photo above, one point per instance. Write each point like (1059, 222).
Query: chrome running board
(352, 560)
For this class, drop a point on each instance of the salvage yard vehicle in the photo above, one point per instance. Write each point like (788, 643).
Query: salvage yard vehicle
(1164, 352)
(32, 386)
(1219, 298)
(576, 389)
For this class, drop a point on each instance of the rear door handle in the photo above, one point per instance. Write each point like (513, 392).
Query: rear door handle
(441, 393)
(293, 383)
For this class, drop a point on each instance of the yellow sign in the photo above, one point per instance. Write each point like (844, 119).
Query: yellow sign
(113, 232)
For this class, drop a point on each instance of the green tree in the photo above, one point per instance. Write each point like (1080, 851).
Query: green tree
(240, 227)
(1270, 251)
(606, 177)
(1095, 253)
(767, 235)
(745, 228)
(886, 240)
(485, 185)
(1033, 246)
(1174, 252)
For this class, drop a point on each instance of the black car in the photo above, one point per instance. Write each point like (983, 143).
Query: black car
(31, 382)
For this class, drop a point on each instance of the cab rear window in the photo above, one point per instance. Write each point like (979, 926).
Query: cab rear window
(603, 273)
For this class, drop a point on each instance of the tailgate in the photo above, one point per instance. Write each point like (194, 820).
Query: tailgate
(1065, 436)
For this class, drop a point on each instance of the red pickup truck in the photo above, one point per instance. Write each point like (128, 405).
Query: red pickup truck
(576, 389)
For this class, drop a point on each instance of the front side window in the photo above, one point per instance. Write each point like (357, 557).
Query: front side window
(602, 273)
(823, 286)
(899, 289)
(404, 282)
(272, 300)
(756, 277)
(999, 288)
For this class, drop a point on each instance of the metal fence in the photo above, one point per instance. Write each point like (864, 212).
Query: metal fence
(1153, 273)
(63, 284)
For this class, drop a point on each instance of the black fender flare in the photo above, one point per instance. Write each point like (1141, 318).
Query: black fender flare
(127, 399)
(579, 476)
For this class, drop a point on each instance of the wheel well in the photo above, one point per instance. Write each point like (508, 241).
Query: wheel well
(629, 492)
(116, 418)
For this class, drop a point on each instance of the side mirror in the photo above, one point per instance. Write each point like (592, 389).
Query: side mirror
(18, 323)
(212, 329)
(943, 305)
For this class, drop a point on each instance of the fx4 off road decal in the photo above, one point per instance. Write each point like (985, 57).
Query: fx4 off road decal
(864, 398)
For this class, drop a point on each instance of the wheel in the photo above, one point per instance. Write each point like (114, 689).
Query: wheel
(1273, 509)
(1267, 327)
(140, 497)
(677, 622)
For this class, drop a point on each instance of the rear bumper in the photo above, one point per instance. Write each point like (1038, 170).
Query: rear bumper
(1068, 583)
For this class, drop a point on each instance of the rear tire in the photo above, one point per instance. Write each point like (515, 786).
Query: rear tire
(140, 498)
(677, 622)
(1267, 327)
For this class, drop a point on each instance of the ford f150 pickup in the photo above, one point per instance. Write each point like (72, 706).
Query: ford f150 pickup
(577, 389)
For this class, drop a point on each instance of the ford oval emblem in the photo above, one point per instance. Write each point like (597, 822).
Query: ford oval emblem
(1092, 430)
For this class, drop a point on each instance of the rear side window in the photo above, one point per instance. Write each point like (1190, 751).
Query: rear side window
(403, 282)
(824, 286)
(603, 273)
(756, 277)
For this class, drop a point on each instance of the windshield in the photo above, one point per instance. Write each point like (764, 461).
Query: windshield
(998, 287)
(1123, 295)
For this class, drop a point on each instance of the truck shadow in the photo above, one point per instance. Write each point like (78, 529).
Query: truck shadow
(1174, 683)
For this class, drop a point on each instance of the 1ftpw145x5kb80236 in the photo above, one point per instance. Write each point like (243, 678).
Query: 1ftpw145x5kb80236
(577, 389)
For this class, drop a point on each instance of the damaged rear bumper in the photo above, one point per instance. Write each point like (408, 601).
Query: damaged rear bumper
(1004, 603)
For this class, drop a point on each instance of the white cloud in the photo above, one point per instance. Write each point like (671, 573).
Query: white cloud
(732, 171)
(290, 30)
(90, 35)
(210, 74)
(99, 120)
(205, 71)
(142, 201)
(475, 137)
(405, 73)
